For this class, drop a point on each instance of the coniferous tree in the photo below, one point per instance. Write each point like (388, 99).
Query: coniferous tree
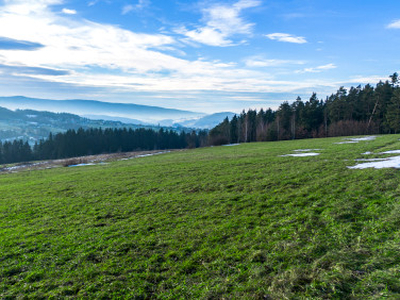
(393, 112)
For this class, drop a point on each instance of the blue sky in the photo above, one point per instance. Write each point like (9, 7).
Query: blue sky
(206, 56)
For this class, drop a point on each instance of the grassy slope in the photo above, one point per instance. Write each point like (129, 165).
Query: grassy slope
(208, 223)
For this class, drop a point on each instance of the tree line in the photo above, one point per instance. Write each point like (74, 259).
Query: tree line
(357, 111)
(93, 141)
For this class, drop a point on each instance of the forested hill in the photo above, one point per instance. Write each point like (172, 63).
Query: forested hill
(31, 125)
(359, 110)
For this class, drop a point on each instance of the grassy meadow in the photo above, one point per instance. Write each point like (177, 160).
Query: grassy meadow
(211, 223)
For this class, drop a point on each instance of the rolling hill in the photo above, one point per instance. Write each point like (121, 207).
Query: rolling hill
(31, 125)
(144, 113)
(277, 220)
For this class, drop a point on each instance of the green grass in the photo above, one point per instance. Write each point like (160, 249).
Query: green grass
(221, 222)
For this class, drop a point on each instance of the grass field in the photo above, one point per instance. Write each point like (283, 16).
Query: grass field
(221, 222)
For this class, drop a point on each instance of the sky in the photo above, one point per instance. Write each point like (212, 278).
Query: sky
(206, 56)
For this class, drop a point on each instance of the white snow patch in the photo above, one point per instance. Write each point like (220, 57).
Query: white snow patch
(391, 152)
(356, 140)
(390, 162)
(230, 145)
(301, 154)
(346, 142)
(145, 155)
(371, 159)
(82, 165)
(13, 168)
(306, 150)
(365, 138)
(367, 153)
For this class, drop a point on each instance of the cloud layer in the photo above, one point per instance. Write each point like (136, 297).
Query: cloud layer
(318, 69)
(50, 42)
(221, 23)
(102, 55)
(394, 25)
(285, 37)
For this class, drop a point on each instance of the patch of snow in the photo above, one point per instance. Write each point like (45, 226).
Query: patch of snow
(306, 150)
(391, 152)
(366, 138)
(13, 168)
(356, 140)
(346, 142)
(367, 153)
(371, 159)
(391, 162)
(230, 145)
(82, 165)
(152, 154)
(302, 154)
(88, 164)
(145, 155)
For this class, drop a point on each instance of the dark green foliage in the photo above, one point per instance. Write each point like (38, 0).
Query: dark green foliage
(393, 113)
(16, 151)
(96, 141)
(358, 111)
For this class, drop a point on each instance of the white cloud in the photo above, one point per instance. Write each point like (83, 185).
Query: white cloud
(68, 11)
(87, 51)
(140, 5)
(242, 4)
(72, 43)
(318, 69)
(285, 37)
(291, 16)
(366, 79)
(258, 61)
(127, 9)
(222, 22)
(394, 25)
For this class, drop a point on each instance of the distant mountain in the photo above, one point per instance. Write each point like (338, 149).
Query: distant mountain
(143, 113)
(32, 125)
(119, 112)
(118, 119)
(207, 122)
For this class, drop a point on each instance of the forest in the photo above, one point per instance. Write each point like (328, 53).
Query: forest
(357, 111)
(99, 141)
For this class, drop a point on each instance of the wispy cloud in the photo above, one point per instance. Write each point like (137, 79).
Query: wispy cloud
(285, 37)
(127, 9)
(88, 51)
(140, 5)
(221, 23)
(23, 71)
(291, 16)
(13, 44)
(68, 11)
(394, 25)
(318, 69)
(259, 61)
(91, 3)
(72, 53)
(366, 79)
